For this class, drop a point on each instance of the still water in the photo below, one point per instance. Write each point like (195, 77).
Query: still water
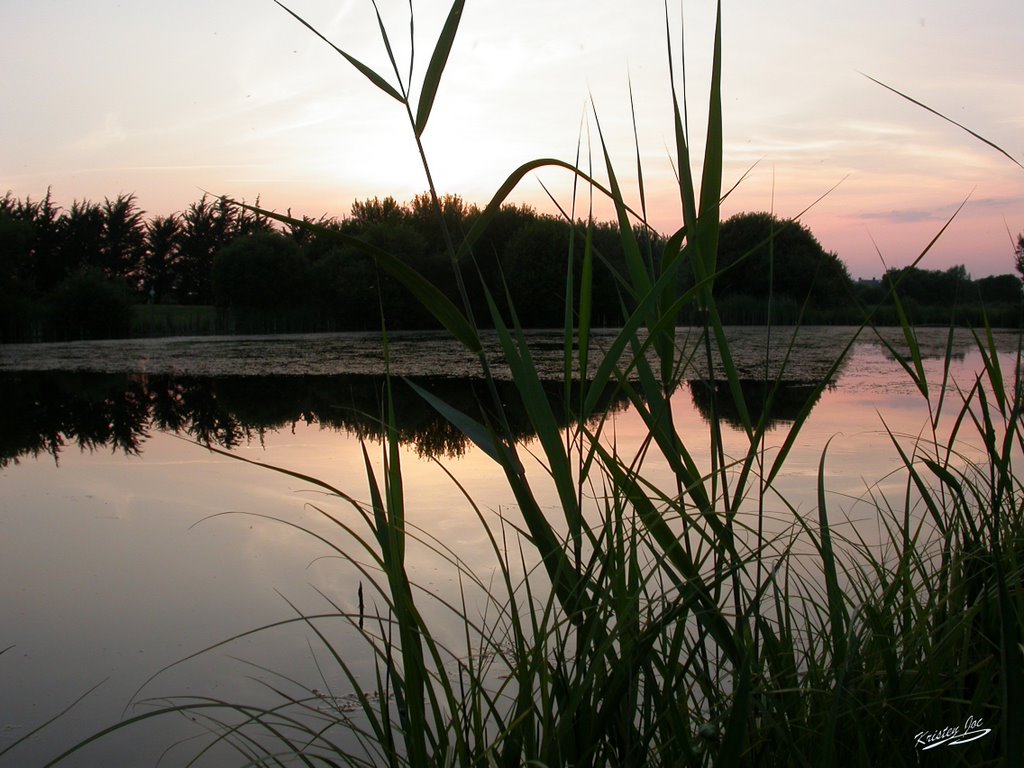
(127, 546)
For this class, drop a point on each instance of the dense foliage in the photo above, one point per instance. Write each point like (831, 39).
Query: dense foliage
(264, 277)
(761, 255)
(1018, 255)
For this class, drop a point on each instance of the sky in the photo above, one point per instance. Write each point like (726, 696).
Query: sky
(167, 100)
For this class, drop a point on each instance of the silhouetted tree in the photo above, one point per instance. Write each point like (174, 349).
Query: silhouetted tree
(90, 305)
(264, 271)
(37, 266)
(16, 240)
(44, 248)
(422, 214)
(486, 264)
(163, 239)
(122, 239)
(535, 262)
(999, 288)
(401, 310)
(16, 289)
(930, 286)
(205, 228)
(755, 248)
(243, 222)
(609, 271)
(79, 243)
(1018, 255)
(47, 233)
(307, 238)
(376, 211)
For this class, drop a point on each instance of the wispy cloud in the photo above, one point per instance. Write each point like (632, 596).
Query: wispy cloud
(170, 168)
(913, 215)
(901, 215)
(103, 137)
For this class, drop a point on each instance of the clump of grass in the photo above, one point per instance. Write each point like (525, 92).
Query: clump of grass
(654, 624)
(174, 320)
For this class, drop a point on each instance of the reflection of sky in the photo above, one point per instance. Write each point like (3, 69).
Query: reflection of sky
(103, 577)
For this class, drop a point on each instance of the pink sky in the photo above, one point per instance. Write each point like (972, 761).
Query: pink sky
(236, 98)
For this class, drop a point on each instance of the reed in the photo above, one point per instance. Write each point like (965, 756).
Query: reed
(660, 624)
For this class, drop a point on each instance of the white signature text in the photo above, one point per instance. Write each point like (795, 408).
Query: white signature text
(952, 735)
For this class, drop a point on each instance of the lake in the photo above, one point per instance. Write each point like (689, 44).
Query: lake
(117, 559)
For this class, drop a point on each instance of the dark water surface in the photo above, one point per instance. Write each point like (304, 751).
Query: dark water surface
(117, 560)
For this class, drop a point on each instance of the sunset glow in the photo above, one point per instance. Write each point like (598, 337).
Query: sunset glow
(237, 98)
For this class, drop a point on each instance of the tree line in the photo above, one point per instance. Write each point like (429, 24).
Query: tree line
(76, 272)
(83, 271)
(771, 265)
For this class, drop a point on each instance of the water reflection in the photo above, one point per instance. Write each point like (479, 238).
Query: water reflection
(95, 394)
(46, 411)
(783, 405)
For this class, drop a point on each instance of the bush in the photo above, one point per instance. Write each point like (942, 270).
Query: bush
(264, 271)
(87, 305)
(762, 245)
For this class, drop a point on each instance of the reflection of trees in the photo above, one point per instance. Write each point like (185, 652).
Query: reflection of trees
(759, 365)
(932, 343)
(43, 412)
(190, 405)
(784, 405)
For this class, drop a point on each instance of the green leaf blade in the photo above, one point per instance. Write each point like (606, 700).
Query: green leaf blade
(435, 69)
(366, 71)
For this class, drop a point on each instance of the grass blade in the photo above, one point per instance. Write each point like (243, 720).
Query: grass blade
(925, 107)
(53, 719)
(834, 593)
(711, 174)
(432, 79)
(510, 183)
(482, 438)
(368, 73)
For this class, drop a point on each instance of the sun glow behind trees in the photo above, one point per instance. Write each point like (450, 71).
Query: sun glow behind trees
(229, 99)
(75, 272)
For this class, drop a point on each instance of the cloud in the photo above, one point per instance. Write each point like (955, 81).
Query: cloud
(169, 168)
(997, 203)
(921, 214)
(901, 216)
(108, 135)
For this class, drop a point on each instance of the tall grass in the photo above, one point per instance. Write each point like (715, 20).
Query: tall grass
(660, 624)
(175, 320)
